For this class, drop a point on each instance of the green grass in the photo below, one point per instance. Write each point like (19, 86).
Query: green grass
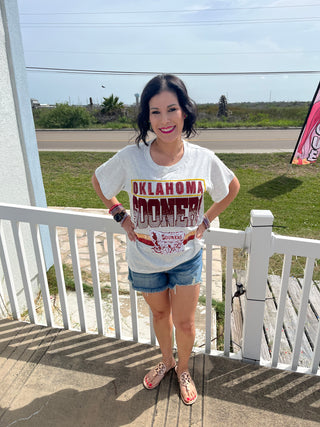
(69, 281)
(67, 178)
(70, 284)
(254, 114)
(291, 192)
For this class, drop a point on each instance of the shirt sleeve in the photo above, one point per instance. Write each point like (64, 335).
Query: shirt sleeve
(111, 176)
(220, 178)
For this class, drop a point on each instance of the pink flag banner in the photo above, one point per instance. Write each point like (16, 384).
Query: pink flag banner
(307, 148)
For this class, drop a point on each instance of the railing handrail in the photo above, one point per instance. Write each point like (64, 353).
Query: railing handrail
(60, 218)
(295, 246)
(82, 220)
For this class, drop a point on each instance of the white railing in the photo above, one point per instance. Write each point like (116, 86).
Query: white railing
(257, 240)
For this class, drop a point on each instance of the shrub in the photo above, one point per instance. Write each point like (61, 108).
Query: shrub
(63, 116)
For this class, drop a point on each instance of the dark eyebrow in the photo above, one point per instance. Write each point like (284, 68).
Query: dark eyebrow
(156, 108)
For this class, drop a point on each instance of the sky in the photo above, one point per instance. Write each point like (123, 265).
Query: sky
(221, 37)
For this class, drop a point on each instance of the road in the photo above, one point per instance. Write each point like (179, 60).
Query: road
(218, 140)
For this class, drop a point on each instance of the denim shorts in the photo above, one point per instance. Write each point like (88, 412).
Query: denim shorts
(187, 273)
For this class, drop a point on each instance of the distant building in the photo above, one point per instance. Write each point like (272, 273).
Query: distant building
(36, 104)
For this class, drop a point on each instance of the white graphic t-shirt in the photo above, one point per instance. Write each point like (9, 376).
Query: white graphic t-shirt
(166, 202)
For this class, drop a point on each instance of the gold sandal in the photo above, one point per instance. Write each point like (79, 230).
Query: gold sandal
(186, 381)
(157, 374)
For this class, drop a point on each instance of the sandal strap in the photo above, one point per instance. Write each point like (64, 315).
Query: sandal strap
(185, 380)
(160, 369)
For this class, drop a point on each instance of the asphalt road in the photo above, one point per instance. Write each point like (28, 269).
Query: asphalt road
(218, 140)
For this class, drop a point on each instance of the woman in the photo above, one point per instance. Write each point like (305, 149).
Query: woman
(166, 180)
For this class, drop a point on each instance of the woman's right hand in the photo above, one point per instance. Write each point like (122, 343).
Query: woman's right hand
(128, 226)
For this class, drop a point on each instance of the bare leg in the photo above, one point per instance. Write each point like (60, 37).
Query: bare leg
(160, 305)
(184, 302)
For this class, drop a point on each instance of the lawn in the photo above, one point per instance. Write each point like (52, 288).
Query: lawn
(291, 192)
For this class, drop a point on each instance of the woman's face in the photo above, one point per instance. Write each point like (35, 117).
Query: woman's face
(166, 117)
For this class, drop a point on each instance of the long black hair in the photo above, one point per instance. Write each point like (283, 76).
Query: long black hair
(159, 84)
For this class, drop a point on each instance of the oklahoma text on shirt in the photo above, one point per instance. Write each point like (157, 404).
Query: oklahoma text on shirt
(165, 203)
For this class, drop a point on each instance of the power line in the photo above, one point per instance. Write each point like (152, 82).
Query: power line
(152, 25)
(209, 9)
(147, 73)
(284, 52)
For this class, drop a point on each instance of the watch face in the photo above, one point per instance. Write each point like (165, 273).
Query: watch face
(118, 216)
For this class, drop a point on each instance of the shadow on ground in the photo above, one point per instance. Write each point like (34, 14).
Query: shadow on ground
(276, 391)
(275, 187)
(55, 377)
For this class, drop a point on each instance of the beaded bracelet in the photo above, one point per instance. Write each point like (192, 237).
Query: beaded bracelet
(206, 222)
(124, 218)
(116, 208)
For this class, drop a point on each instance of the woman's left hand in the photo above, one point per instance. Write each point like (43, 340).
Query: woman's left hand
(200, 230)
(128, 226)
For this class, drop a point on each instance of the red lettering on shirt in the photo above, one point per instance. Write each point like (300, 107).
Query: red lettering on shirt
(190, 187)
(150, 192)
(142, 188)
(179, 187)
(159, 189)
(169, 188)
(200, 188)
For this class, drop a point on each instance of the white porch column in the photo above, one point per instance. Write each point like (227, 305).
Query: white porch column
(20, 173)
(259, 252)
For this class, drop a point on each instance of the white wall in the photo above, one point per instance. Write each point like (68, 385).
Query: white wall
(20, 173)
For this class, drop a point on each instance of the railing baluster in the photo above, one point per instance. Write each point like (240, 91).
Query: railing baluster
(302, 312)
(316, 355)
(134, 314)
(16, 228)
(35, 232)
(7, 271)
(96, 281)
(114, 285)
(208, 298)
(59, 276)
(153, 339)
(228, 300)
(77, 277)
(281, 309)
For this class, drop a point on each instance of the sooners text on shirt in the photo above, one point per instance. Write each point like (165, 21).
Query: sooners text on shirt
(163, 203)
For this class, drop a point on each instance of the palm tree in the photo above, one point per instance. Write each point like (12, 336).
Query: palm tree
(111, 106)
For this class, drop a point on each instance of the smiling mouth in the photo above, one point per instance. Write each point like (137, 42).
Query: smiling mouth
(167, 129)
